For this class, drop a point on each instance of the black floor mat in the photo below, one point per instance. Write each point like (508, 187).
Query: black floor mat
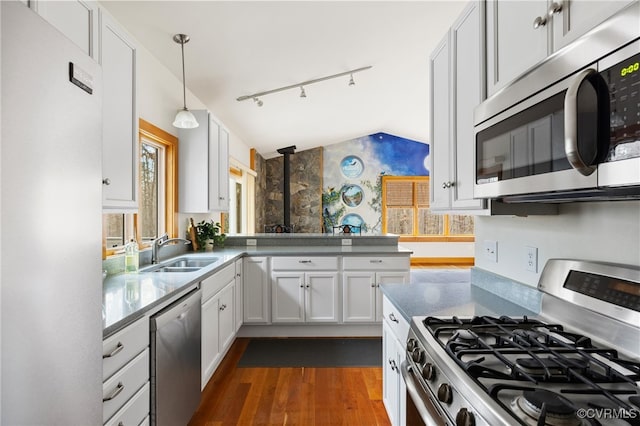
(311, 352)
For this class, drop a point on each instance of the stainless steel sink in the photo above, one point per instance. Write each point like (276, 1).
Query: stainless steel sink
(182, 264)
(190, 262)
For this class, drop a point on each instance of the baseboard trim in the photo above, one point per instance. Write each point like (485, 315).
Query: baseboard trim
(315, 330)
(467, 261)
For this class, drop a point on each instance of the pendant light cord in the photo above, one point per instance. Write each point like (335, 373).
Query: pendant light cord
(184, 78)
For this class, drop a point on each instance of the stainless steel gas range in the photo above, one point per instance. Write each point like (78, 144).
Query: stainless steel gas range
(576, 363)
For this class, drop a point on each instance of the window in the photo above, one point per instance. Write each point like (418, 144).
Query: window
(158, 198)
(405, 212)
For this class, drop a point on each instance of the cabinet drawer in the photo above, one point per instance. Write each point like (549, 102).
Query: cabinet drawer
(310, 263)
(124, 384)
(376, 263)
(217, 281)
(395, 320)
(120, 348)
(134, 411)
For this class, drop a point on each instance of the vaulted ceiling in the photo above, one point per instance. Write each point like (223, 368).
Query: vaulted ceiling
(240, 47)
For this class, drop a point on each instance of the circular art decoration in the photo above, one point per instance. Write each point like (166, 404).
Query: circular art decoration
(352, 195)
(351, 166)
(352, 219)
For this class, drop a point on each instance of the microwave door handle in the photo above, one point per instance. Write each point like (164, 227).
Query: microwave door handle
(571, 124)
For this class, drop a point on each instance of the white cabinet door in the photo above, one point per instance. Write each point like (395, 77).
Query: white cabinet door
(210, 351)
(119, 117)
(238, 294)
(76, 19)
(256, 290)
(467, 55)
(358, 296)
(390, 384)
(288, 296)
(226, 316)
(440, 115)
(204, 166)
(513, 44)
(576, 17)
(321, 296)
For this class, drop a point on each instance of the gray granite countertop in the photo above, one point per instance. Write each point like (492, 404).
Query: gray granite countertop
(448, 299)
(127, 297)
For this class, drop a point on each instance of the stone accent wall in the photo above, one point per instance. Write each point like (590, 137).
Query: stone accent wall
(306, 191)
(261, 191)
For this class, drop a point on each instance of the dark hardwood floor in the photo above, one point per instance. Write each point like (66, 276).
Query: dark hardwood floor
(290, 396)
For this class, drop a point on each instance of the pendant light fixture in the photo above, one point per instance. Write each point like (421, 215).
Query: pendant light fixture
(184, 118)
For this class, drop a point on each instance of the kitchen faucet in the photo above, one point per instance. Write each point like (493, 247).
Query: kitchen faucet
(160, 242)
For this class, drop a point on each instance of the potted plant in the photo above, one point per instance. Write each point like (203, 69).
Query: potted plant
(209, 232)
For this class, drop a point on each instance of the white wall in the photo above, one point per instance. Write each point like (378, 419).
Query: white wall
(602, 231)
(159, 98)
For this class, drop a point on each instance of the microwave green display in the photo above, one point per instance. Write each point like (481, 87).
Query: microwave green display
(629, 69)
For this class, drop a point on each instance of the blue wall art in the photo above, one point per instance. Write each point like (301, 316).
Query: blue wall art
(352, 175)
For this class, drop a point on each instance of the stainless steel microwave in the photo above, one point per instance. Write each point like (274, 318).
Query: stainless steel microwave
(568, 129)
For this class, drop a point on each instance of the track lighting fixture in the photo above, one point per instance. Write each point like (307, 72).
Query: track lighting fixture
(184, 118)
(303, 94)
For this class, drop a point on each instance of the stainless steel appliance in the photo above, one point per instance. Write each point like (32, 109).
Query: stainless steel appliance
(577, 363)
(570, 128)
(175, 361)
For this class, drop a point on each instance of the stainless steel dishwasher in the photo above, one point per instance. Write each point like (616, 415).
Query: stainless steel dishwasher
(175, 362)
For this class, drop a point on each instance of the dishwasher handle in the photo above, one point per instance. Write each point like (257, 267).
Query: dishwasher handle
(177, 310)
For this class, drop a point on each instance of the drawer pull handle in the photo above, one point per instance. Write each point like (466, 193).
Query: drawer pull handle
(375, 261)
(304, 261)
(119, 347)
(115, 393)
(393, 318)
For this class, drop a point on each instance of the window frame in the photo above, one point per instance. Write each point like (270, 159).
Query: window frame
(154, 134)
(446, 237)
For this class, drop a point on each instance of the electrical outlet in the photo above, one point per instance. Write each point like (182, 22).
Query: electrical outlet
(346, 241)
(491, 250)
(531, 259)
(252, 242)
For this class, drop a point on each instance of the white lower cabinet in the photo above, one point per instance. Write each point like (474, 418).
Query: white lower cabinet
(125, 366)
(395, 330)
(304, 296)
(361, 280)
(239, 294)
(255, 282)
(218, 319)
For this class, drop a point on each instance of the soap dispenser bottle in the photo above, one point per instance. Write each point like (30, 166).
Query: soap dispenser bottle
(131, 257)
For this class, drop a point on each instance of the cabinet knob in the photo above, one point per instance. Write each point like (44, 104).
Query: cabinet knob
(106, 181)
(554, 9)
(393, 317)
(540, 21)
(448, 184)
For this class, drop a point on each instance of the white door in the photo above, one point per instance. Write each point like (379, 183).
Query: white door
(210, 338)
(359, 296)
(287, 297)
(321, 301)
(398, 277)
(256, 290)
(226, 316)
(390, 387)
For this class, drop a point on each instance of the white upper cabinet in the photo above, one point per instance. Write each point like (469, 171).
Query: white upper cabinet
(520, 34)
(456, 73)
(119, 117)
(76, 19)
(203, 166)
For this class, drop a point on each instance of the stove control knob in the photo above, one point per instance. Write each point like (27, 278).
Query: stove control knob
(417, 355)
(429, 371)
(465, 418)
(444, 393)
(411, 344)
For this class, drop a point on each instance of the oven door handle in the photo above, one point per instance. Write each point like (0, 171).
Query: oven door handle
(417, 395)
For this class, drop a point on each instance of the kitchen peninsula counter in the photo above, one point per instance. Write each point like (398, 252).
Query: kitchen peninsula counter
(128, 297)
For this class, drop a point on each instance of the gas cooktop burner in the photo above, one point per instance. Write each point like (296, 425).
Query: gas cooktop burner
(545, 408)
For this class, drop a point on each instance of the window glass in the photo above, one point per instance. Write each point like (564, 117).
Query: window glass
(150, 198)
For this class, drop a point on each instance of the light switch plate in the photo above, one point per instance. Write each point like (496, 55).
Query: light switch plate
(346, 241)
(252, 242)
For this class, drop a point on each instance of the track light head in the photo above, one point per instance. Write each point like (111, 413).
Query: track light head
(258, 102)
(302, 92)
(351, 82)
